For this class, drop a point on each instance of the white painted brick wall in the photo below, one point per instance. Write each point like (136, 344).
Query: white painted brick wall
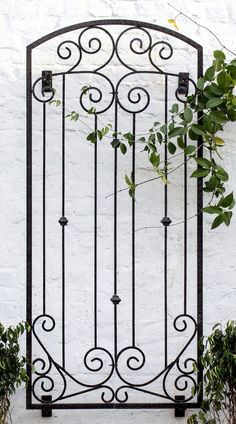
(23, 21)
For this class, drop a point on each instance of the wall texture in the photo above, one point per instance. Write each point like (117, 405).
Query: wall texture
(22, 22)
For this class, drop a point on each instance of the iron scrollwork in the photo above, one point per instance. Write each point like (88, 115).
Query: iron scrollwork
(176, 376)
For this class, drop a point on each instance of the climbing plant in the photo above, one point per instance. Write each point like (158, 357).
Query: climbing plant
(215, 101)
(12, 366)
(219, 362)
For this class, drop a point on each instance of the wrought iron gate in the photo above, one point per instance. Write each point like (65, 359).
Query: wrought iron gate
(116, 310)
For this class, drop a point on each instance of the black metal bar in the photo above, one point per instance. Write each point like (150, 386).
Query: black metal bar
(180, 409)
(115, 234)
(29, 222)
(133, 234)
(95, 235)
(185, 228)
(165, 232)
(127, 22)
(63, 226)
(46, 409)
(44, 208)
(189, 405)
(200, 246)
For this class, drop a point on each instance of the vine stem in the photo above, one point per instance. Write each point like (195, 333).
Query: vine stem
(202, 26)
(155, 178)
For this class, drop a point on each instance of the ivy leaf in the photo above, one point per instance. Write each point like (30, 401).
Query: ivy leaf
(188, 115)
(218, 141)
(217, 221)
(127, 180)
(200, 173)
(218, 117)
(178, 131)
(221, 173)
(212, 209)
(181, 142)
(123, 148)
(92, 137)
(173, 22)
(225, 202)
(189, 150)
(174, 109)
(210, 73)
(205, 163)
(213, 102)
(198, 129)
(171, 148)
(201, 83)
(227, 217)
(219, 55)
(115, 143)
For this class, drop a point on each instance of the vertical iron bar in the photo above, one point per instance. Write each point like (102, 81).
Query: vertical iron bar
(29, 223)
(95, 235)
(200, 245)
(44, 208)
(115, 235)
(63, 214)
(133, 233)
(185, 228)
(165, 228)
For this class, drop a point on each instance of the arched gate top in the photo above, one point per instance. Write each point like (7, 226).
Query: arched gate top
(138, 24)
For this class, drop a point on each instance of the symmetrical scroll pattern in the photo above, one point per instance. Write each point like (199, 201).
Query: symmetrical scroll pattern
(120, 374)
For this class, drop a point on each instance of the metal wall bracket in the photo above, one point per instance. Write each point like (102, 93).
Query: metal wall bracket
(183, 83)
(46, 409)
(180, 410)
(46, 82)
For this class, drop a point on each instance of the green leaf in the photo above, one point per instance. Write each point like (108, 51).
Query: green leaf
(115, 143)
(154, 159)
(163, 129)
(198, 129)
(180, 142)
(225, 202)
(92, 137)
(212, 209)
(175, 108)
(213, 102)
(142, 139)
(123, 148)
(218, 117)
(209, 74)
(219, 55)
(171, 148)
(221, 173)
(177, 131)
(189, 150)
(201, 83)
(92, 111)
(159, 137)
(217, 221)
(227, 218)
(188, 115)
(200, 173)
(127, 180)
(205, 163)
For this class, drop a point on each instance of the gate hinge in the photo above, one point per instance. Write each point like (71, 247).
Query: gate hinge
(46, 409)
(46, 82)
(183, 83)
(180, 409)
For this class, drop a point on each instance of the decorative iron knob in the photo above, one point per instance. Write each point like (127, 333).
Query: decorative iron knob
(115, 299)
(166, 221)
(63, 220)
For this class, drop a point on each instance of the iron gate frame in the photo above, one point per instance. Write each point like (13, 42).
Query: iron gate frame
(179, 405)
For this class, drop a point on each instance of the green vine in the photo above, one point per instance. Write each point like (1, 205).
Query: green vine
(216, 103)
